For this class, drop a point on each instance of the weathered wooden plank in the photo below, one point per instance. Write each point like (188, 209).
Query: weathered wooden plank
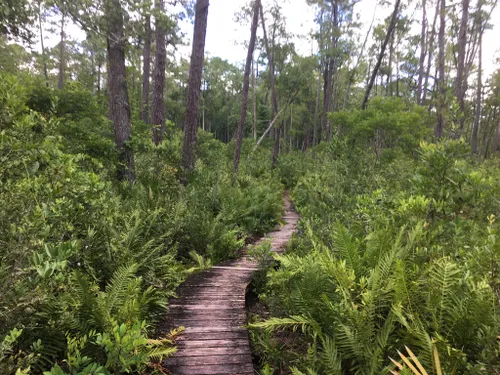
(214, 329)
(204, 370)
(203, 323)
(200, 352)
(232, 287)
(216, 335)
(192, 314)
(212, 360)
(233, 343)
(228, 305)
(235, 268)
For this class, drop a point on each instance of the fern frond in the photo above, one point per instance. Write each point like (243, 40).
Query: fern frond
(444, 277)
(306, 324)
(161, 352)
(345, 245)
(118, 289)
(330, 357)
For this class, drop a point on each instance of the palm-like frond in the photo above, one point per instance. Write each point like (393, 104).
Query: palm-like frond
(306, 324)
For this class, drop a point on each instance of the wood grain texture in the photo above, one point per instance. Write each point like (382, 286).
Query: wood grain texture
(211, 307)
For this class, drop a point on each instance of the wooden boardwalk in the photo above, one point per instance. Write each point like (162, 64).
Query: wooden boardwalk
(211, 307)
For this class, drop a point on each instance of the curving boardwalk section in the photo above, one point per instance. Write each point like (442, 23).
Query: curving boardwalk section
(211, 307)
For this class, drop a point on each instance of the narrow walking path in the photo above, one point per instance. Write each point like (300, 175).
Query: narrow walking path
(211, 307)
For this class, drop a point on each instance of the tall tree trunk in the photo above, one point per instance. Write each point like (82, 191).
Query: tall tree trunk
(44, 57)
(477, 119)
(316, 110)
(272, 79)
(318, 90)
(438, 131)
(158, 103)
(329, 75)
(423, 52)
(430, 43)
(146, 68)
(390, 30)
(254, 102)
(119, 109)
(246, 84)
(60, 83)
(360, 55)
(388, 85)
(491, 116)
(195, 76)
(270, 59)
(397, 68)
(276, 148)
(460, 85)
(496, 143)
(99, 79)
(307, 132)
(93, 74)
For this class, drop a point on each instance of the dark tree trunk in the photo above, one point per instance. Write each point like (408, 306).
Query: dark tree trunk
(318, 90)
(460, 85)
(254, 102)
(60, 83)
(146, 68)
(276, 148)
(490, 135)
(477, 119)
(328, 87)
(44, 57)
(496, 143)
(423, 52)
(316, 109)
(274, 98)
(307, 134)
(388, 85)
(430, 43)
(353, 71)
(246, 85)
(99, 79)
(270, 60)
(438, 131)
(119, 110)
(195, 76)
(390, 30)
(158, 104)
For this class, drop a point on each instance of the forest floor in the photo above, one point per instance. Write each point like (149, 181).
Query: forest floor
(211, 308)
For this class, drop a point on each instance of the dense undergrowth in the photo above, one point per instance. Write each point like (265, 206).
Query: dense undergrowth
(396, 247)
(87, 264)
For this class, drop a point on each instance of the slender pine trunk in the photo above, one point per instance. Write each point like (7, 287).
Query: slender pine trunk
(44, 56)
(390, 30)
(430, 43)
(60, 83)
(119, 109)
(479, 96)
(461, 79)
(246, 85)
(423, 52)
(195, 77)
(146, 68)
(158, 103)
(439, 130)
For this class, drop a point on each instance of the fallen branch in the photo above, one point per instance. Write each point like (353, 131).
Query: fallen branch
(267, 130)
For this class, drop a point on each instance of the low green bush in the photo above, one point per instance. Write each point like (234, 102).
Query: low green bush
(86, 263)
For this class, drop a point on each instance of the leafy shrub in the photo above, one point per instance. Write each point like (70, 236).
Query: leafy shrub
(87, 264)
(392, 251)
